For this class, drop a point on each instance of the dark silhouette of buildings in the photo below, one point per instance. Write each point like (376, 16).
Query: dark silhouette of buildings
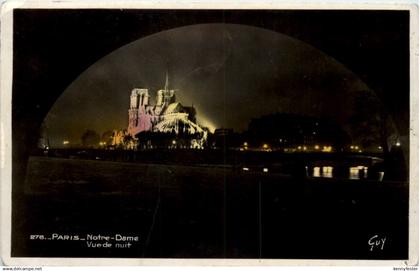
(285, 132)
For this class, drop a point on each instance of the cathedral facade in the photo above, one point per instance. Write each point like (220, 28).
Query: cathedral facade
(165, 116)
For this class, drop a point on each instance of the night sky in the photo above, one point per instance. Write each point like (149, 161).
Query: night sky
(230, 73)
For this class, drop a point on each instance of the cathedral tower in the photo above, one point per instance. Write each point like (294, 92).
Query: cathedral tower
(139, 99)
(165, 96)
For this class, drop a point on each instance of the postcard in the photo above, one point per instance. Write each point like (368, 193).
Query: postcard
(213, 134)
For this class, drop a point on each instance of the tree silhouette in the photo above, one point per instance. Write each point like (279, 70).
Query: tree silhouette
(107, 137)
(369, 122)
(90, 139)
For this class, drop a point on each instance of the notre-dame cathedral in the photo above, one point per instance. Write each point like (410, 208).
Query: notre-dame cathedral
(165, 116)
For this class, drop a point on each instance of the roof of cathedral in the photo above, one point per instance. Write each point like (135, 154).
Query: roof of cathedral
(174, 108)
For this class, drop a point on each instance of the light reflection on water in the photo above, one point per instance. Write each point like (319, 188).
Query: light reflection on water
(317, 172)
(355, 173)
(326, 172)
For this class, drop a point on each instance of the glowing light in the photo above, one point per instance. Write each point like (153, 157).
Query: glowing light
(304, 148)
(354, 173)
(380, 147)
(299, 147)
(356, 147)
(351, 147)
(265, 146)
(206, 122)
(327, 171)
(265, 169)
(327, 149)
(316, 172)
(316, 147)
(398, 144)
(245, 169)
(173, 142)
(66, 142)
(381, 176)
(245, 144)
(360, 151)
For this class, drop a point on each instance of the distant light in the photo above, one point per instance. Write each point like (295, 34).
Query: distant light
(245, 144)
(381, 176)
(360, 150)
(316, 147)
(398, 144)
(327, 149)
(356, 147)
(173, 142)
(314, 133)
(351, 147)
(265, 169)
(327, 172)
(354, 173)
(380, 147)
(66, 142)
(327, 169)
(299, 147)
(265, 146)
(245, 169)
(304, 148)
(281, 140)
(316, 172)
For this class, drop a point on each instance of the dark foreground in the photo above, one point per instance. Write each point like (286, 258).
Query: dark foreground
(207, 212)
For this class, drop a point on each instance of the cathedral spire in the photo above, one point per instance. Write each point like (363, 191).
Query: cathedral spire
(167, 80)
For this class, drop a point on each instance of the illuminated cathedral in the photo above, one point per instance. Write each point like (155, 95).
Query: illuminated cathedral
(166, 116)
